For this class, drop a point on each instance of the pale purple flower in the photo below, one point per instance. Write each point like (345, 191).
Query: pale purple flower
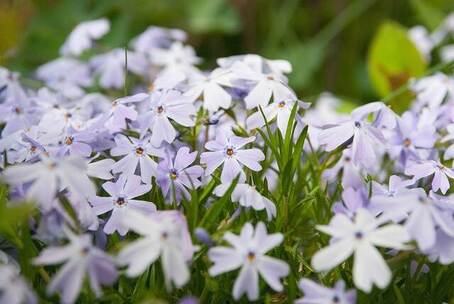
(426, 214)
(432, 90)
(82, 36)
(279, 109)
(248, 252)
(121, 201)
(427, 168)
(449, 153)
(13, 288)
(443, 249)
(366, 137)
(248, 197)
(421, 38)
(121, 112)
(359, 237)
(157, 37)
(73, 142)
(227, 150)
(318, 294)
(137, 154)
(80, 259)
(175, 176)
(17, 115)
(50, 175)
(163, 106)
(351, 173)
(163, 235)
(101, 168)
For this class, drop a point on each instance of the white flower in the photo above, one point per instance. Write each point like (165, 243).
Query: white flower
(13, 288)
(51, 175)
(359, 237)
(82, 36)
(248, 252)
(210, 87)
(248, 196)
(164, 235)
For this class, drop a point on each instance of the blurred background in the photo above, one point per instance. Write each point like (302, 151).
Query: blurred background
(329, 42)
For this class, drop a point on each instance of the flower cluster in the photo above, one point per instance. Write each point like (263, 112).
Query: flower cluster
(124, 185)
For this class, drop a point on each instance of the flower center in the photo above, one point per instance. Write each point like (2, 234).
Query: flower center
(120, 201)
(359, 235)
(84, 250)
(229, 151)
(139, 151)
(357, 124)
(269, 77)
(159, 109)
(33, 149)
(407, 142)
(281, 104)
(17, 110)
(164, 235)
(251, 256)
(335, 299)
(173, 174)
(69, 140)
(347, 159)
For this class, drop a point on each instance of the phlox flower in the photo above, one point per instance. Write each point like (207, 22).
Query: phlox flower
(137, 154)
(122, 112)
(351, 173)
(248, 196)
(318, 294)
(163, 106)
(50, 175)
(164, 235)
(426, 168)
(176, 176)
(80, 259)
(82, 36)
(432, 90)
(352, 201)
(13, 288)
(359, 237)
(156, 37)
(227, 150)
(248, 252)
(121, 201)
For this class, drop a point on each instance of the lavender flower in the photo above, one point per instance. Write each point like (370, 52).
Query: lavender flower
(121, 202)
(318, 294)
(426, 168)
(13, 288)
(228, 150)
(248, 252)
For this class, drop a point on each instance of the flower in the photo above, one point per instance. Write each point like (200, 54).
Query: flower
(163, 105)
(248, 196)
(352, 201)
(178, 174)
(279, 109)
(157, 37)
(426, 168)
(137, 154)
(432, 90)
(80, 258)
(13, 288)
(228, 150)
(359, 237)
(318, 294)
(50, 175)
(82, 36)
(165, 235)
(248, 252)
(121, 202)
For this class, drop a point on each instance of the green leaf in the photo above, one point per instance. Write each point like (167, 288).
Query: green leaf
(212, 16)
(429, 14)
(393, 59)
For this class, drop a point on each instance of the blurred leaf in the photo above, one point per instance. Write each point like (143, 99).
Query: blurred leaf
(393, 59)
(207, 16)
(429, 14)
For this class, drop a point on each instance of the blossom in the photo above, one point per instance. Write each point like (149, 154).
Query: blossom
(121, 113)
(352, 201)
(163, 236)
(359, 237)
(50, 175)
(82, 36)
(13, 288)
(228, 150)
(138, 154)
(432, 90)
(351, 173)
(211, 89)
(157, 37)
(248, 252)
(177, 175)
(80, 259)
(426, 168)
(279, 109)
(425, 214)
(121, 201)
(319, 294)
(247, 196)
(165, 105)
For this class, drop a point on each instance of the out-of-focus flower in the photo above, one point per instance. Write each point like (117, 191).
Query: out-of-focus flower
(228, 150)
(248, 251)
(178, 60)
(176, 176)
(426, 168)
(420, 36)
(80, 259)
(432, 90)
(82, 36)
(359, 237)
(351, 173)
(121, 202)
(352, 201)
(13, 288)
(157, 37)
(318, 294)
